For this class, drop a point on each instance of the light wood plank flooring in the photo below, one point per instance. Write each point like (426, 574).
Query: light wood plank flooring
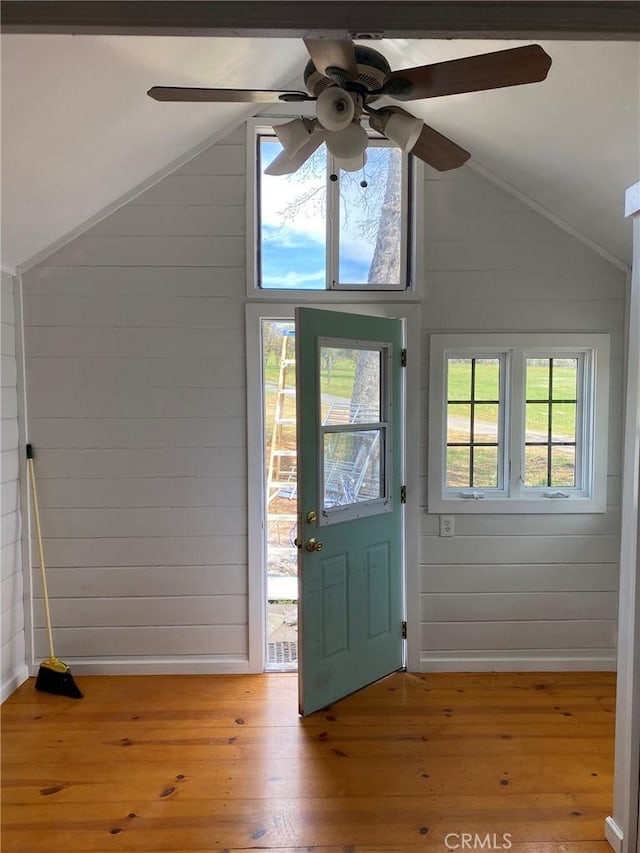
(204, 763)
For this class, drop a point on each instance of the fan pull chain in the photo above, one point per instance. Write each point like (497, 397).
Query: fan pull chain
(364, 183)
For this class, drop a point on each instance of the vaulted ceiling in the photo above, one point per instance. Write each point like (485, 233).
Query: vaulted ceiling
(79, 132)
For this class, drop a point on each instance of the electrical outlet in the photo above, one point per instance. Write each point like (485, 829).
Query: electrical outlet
(447, 527)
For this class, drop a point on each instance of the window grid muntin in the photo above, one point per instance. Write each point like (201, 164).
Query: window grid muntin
(582, 431)
(592, 418)
(472, 403)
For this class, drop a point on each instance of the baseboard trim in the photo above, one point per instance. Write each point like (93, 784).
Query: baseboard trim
(515, 662)
(11, 683)
(157, 666)
(613, 834)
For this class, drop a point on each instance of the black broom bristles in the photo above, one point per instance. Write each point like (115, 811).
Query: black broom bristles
(55, 677)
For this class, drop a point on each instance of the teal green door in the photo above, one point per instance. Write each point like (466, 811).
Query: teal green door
(349, 408)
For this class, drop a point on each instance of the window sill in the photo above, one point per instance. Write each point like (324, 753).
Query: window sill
(331, 296)
(516, 506)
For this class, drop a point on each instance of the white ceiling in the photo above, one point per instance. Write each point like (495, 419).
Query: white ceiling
(79, 132)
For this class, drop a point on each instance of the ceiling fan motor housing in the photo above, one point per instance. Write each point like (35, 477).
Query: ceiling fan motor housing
(372, 71)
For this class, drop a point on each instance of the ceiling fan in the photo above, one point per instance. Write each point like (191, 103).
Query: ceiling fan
(346, 80)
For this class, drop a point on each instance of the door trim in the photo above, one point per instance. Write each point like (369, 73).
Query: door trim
(410, 314)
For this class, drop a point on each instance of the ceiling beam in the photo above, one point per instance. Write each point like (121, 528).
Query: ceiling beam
(545, 19)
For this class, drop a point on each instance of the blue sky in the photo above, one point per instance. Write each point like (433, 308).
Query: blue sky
(293, 250)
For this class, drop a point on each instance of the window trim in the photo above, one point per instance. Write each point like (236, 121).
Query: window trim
(414, 254)
(592, 435)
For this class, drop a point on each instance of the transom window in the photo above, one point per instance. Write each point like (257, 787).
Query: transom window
(326, 227)
(518, 423)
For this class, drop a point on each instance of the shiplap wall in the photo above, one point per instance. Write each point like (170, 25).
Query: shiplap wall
(134, 335)
(13, 667)
(517, 591)
(136, 390)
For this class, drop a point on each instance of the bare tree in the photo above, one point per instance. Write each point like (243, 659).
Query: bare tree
(379, 211)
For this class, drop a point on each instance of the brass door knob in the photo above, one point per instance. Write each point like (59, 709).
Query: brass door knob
(314, 545)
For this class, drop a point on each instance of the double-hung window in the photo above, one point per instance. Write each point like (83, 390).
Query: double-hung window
(518, 423)
(328, 227)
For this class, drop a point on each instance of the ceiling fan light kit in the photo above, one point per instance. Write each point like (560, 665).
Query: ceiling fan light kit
(349, 143)
(401, 128)
(335, 108)
(294, 134)
(355, 165)
(345, 79)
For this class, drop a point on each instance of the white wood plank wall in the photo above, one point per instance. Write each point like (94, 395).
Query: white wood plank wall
(523, 591)
(136, 392)
(136, 388)
(13, 669)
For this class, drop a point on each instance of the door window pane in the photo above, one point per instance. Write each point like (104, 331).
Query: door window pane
(353, 430)
(352, 467)
(350, 385)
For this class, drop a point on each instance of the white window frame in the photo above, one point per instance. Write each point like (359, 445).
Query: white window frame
(384, 503)
(511, 496)
(413, 246)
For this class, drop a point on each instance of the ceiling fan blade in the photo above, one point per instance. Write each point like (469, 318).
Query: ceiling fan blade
(431, 146)
(333, 53)
(248, 96)
(438, 151)
(283, 165)
(512, 67)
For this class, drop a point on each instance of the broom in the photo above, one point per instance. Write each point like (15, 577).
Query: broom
(54, 676)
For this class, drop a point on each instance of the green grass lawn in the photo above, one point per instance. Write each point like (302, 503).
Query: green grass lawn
(486, 416)
(340, 384)
(486, 388)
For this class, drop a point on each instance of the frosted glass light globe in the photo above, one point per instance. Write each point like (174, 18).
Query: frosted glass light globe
(349, 143)
(335, 108)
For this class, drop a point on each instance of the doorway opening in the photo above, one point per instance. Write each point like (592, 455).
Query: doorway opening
(279, 436)
(354, 460)
(274, 586)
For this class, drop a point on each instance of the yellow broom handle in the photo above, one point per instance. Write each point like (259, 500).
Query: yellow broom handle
(36, 513)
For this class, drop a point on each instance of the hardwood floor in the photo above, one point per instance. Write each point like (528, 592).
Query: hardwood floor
(201, 763)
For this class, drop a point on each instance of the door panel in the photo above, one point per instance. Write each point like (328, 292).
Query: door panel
(349, 469)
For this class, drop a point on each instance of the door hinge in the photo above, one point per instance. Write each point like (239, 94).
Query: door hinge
(404, 630)
(403, 358)
(403, 494)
